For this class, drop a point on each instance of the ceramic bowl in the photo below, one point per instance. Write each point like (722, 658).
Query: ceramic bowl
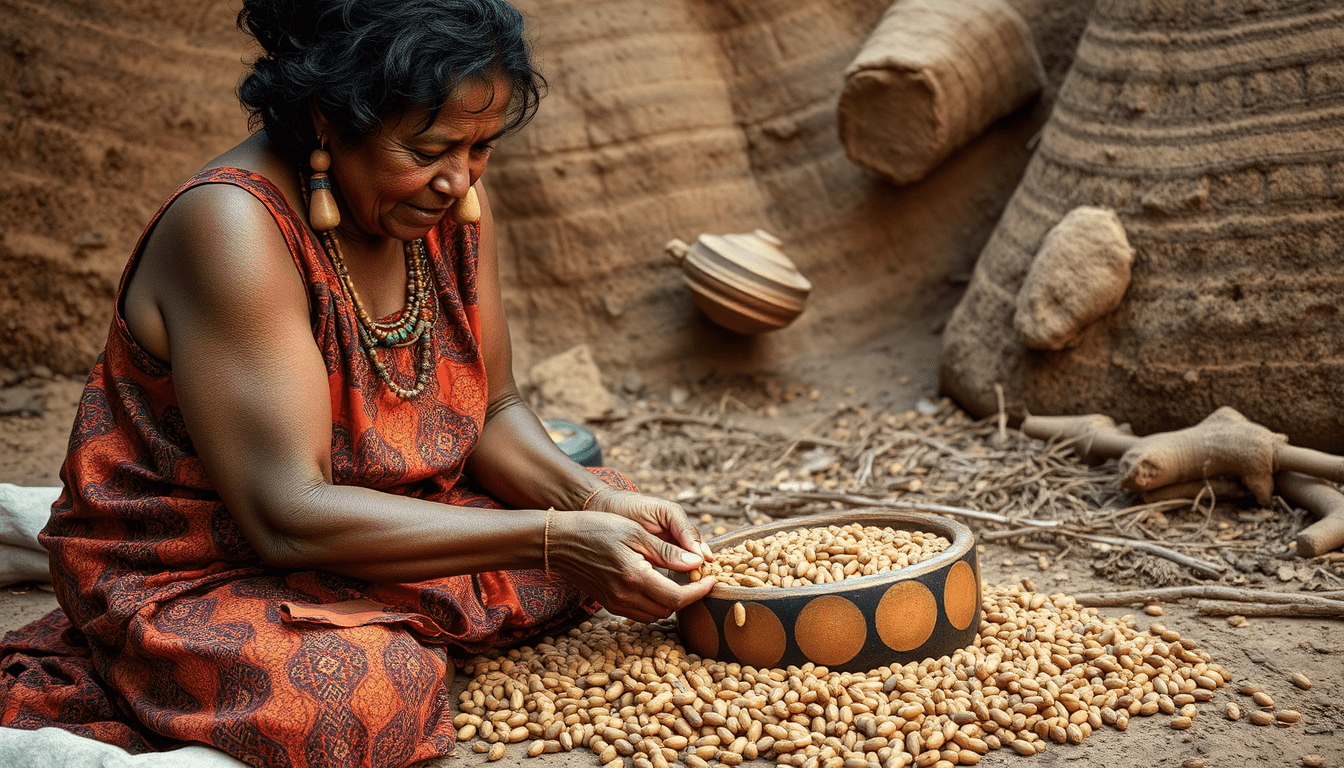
(743, 282)
(926, 610)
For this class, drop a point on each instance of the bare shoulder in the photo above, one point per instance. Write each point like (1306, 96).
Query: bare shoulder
(217, 251)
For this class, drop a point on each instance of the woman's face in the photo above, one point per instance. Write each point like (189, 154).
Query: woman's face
(401, 182)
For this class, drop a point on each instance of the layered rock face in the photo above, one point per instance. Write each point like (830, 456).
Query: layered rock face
(678, 118)
(1215, 130)
(105, 107)
(664, 120)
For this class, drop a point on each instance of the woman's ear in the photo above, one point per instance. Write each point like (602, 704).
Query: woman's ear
(322, 127)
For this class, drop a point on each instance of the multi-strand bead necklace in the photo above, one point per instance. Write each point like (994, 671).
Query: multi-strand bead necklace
(415, 322)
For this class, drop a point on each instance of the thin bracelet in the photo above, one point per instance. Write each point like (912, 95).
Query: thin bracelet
(584, 507)
(546, 544)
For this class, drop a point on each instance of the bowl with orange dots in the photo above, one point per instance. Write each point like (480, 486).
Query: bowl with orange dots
(848, 590)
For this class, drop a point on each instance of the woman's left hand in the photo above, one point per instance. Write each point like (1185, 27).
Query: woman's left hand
(660, 517)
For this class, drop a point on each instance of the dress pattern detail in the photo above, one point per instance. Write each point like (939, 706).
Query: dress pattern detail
(172, 629)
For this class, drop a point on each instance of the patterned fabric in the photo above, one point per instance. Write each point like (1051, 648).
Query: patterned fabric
(173, 629)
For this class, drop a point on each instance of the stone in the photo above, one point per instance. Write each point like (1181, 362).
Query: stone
(569, 386)
(1079, 275)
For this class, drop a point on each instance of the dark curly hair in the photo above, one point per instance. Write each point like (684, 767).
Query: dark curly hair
(364, 60)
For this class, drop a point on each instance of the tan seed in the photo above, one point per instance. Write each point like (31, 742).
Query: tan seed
(739, 614)
(1313, 761)
(1288, 716)
(496, 752)
(1180, 723)
(1260, 717)
(1263, 699)
(1233, 711)
(1301, 681)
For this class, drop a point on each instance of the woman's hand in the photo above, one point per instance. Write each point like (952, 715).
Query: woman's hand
(660, 517)
(612, 558)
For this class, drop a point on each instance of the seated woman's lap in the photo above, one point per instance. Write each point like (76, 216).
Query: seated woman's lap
(226, 668)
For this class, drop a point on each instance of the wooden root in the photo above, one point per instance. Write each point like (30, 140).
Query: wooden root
(1225, 443)
(1289, 610)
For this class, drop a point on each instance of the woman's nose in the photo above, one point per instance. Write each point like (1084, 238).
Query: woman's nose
(453, 183)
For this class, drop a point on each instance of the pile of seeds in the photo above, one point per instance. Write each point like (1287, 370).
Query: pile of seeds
(806, 556)
(1042, 669)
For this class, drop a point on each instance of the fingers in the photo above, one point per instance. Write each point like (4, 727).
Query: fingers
(665, 554)
(657, 597)
(686, 534)
(668, 521)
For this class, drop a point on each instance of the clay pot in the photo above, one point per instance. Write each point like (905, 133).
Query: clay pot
(744, 283)
(927, 610)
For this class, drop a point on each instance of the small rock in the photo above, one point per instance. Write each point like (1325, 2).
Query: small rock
(21, 402)
(1286, 573)
(92, 239)
(633, 383)
(678, 396)
(570, 386)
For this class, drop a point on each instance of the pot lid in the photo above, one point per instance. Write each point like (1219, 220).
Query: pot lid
(757, 253)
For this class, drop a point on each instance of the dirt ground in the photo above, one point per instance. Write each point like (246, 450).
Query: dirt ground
(654, 435)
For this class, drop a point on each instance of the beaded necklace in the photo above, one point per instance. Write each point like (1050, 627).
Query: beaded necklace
(415, 322)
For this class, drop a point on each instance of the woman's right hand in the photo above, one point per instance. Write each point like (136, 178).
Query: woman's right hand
(613, 560)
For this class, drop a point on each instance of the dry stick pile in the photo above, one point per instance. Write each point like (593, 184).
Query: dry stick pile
(1043, 669)
(1035, 495)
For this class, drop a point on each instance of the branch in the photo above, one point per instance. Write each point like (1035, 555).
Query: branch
(1203, 567)
(1210, 592)
(1293, 610)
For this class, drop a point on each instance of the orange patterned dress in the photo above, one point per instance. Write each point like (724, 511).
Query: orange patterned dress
(173, 629)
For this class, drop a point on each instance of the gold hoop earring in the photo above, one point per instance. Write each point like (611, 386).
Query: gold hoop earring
(323, 215)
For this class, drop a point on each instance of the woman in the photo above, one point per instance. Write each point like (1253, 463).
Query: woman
(284, 499)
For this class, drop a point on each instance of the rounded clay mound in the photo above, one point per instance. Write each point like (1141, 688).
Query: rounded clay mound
(1215, 130)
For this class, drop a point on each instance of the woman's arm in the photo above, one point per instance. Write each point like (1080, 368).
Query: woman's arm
(254, 393)
(517, 461)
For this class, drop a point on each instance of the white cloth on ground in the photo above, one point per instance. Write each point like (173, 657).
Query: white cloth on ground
(23, 512)
(55, 748)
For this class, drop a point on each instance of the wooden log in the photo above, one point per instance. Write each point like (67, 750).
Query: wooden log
(933, 75)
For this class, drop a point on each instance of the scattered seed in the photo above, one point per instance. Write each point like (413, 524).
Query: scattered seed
(739, 614)
(1041, 669)
(1260, 717)
(1301, 681)
(1233, 711)
(1153, 609)
(1289, 716)
(1263, 699)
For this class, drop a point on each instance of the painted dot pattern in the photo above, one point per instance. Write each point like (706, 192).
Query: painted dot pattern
(697, 630)
(961, 595)
(760, 641)
(830, 630)
(906, 615)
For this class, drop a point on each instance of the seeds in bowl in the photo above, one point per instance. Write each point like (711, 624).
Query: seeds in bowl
(822, 555)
